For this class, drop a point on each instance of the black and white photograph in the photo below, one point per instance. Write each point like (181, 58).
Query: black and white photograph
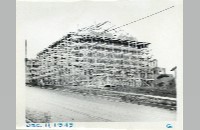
(92, 61)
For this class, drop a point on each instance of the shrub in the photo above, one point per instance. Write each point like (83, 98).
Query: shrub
(162, 76)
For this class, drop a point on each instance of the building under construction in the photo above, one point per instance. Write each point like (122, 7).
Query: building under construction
(96, 57)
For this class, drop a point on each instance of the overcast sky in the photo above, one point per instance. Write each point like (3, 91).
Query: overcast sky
(42, 23)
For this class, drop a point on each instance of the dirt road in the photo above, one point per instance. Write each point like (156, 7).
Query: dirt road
(65, 106)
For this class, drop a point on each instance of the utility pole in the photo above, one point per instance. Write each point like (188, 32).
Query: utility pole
(175, 72)
(26, 69)
(25, 49)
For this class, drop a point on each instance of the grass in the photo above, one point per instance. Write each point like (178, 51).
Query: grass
(147, 90)
(37, 116)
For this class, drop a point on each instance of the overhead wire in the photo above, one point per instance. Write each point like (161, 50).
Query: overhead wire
(109, 29)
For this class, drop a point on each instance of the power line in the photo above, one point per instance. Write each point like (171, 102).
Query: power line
(108, 30)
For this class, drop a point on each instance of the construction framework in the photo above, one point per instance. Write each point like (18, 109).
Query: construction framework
(91, 58)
